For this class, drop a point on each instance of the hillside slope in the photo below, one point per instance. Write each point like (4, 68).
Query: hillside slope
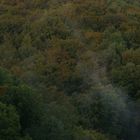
(69, 70)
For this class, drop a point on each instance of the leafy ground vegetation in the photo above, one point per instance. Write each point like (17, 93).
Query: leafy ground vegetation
(69, 70)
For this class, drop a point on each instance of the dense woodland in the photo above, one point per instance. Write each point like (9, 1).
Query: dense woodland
(69, 70)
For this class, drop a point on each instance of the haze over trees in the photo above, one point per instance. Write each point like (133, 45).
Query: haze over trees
(69, 70)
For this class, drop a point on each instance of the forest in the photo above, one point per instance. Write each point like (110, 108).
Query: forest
(69, 69)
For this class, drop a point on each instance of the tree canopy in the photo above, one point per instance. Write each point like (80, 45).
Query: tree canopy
(69, 70)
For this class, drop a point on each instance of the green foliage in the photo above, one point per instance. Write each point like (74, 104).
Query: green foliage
(4, 77)
(69, 69)
(128, 77)
(90, 135)
(9, 122)
(103, 110)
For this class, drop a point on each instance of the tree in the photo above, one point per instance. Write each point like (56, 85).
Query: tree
(9, 122)
(82, 134)
(10, 127)
(127, 77)
(104, 110)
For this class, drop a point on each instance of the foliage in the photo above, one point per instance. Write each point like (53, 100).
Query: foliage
(69, 69)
